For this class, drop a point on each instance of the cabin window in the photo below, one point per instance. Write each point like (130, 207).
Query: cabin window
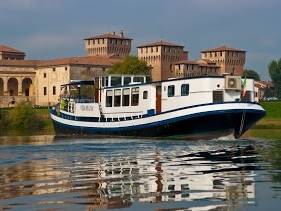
(145, 94)
(217, 96)
(135, 96)
(147, 79)
(138, 79)
(126, 97)
(116, 81)
(171, 91)
(117, 98)
(105, 81)
(109, 94)
(184, 89)
(127, 80)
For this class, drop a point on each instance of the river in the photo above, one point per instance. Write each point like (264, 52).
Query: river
(47, 173)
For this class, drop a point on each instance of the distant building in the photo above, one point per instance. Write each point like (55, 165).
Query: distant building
(230, 60)
(39, 81)
(9, 53)
(264, 89)
(108, 44)
(161, 56)
(197, 68)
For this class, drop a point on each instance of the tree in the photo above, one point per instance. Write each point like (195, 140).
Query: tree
(274, 69)
(130, 65)
(251, 74)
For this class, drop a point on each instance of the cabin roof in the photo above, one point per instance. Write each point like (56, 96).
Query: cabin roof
(158, 82)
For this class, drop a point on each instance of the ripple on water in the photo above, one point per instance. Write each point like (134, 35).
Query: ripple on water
(119, 173)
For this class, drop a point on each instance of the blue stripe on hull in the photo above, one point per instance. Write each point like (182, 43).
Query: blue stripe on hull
(218, 123)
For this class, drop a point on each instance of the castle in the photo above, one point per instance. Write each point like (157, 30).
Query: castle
(39, 81)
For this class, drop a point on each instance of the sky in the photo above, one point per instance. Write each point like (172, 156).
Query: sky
(56, 28)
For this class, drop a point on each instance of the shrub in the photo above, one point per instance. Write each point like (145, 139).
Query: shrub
(23, 117)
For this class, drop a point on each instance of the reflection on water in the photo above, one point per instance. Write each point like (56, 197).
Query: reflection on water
(48, 173)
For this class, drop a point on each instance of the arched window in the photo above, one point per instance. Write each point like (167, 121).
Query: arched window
(13, 87)
(26, 86)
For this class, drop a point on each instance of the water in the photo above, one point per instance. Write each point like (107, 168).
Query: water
(44, 173)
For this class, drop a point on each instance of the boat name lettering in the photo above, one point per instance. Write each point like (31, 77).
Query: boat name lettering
(87, 108)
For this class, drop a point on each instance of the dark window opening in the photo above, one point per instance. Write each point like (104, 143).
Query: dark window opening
(126, 97)
(127, 80)
(109, 96)
(117, 98)
(45, 90)
(184, 89)
(135, 97)
(138, 79)
(171, 91)
(217, 96)
(145, 94)
(116, 81)
(54, 90)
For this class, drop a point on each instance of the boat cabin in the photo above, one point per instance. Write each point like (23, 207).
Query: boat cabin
(126, 97)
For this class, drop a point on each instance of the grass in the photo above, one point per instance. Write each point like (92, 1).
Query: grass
(273, 109)
(270, 126)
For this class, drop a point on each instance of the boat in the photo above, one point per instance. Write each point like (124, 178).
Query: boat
(131, 105)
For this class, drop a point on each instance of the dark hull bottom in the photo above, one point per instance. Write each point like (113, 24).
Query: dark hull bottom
(211, 125)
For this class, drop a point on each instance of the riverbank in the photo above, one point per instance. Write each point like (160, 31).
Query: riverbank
(270, 126)
(25, 121)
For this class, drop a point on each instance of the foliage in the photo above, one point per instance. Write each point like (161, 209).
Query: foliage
(272, 108)
(3, 121)
(274, 69)
(23, 117)
(251, 74)
(130, 65)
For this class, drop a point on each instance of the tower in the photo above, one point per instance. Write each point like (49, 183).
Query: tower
(161, 56)
(109, 44)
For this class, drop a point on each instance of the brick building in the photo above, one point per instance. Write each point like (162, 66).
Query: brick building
(161, 56)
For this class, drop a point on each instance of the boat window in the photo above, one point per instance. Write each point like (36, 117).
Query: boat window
(184, 89)
(217, 96)
(138, 79)
(126, 97)
(109, 94)
(135, 96)
(148, 79)
(105, 81)
(171, 91)
(145, 93)
(117, 97)
(127, 80)
(116, 81)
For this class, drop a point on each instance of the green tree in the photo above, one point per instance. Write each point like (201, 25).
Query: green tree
(251, 74)
(274, 69)
(130, 65)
